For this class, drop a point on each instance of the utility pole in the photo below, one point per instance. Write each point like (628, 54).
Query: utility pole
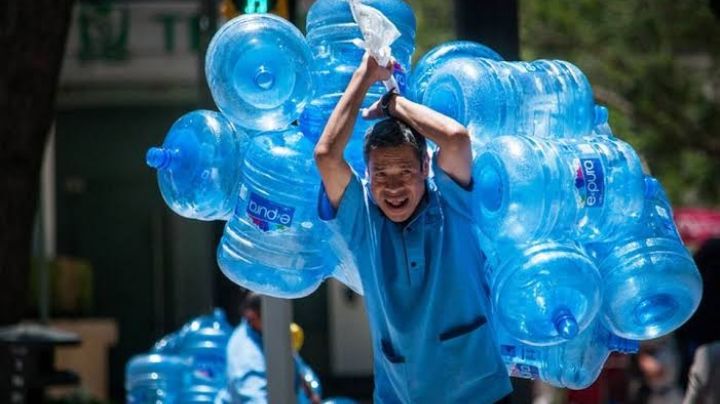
(493, 23)
(276, 318)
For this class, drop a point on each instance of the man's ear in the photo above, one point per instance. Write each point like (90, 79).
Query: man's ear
(426, 165)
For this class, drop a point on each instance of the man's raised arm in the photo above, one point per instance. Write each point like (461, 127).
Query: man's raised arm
(334, 170)
(453, 139)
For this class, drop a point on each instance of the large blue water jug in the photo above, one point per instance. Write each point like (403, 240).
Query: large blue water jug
(198, 165)
(204, 341)
(275, 242)
(315, 117)
(543, 293)
(440, 55)
(529, 188)
(333, 35)
(494, 98)
(155, 378)
(652, 285)
(258, 70)
(575, 364)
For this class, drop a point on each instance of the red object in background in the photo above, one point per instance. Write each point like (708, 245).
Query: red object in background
(696, 225)
(610, 387)
(591, 395)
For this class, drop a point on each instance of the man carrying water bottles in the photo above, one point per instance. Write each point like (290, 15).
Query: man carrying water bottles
(412, 237)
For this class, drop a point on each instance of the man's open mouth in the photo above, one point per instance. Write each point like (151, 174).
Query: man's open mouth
(397, 203)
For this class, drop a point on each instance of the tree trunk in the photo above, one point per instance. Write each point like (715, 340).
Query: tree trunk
(493, 23)
(32, 46)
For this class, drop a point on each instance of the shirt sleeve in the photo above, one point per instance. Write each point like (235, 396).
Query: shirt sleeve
(456, 196)
(246, 371)
(350, 218)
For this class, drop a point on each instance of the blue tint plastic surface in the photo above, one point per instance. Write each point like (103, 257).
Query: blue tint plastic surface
(575, 364)
(275, 242)
(204, 341)
(155, 378)
(544, 293)
(530, 188)
(332, 35)
(198, 165)
(258, 70)
(551, 99)
(440, 55)
(652, 285)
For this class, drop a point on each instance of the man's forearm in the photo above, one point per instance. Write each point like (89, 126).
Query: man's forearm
(334, 170)
(339, 128)
(441, 129)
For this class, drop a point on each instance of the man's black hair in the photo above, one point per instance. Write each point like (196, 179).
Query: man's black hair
(392, 133)
(252, 302)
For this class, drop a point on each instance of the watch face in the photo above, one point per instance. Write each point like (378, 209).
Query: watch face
(385, 103)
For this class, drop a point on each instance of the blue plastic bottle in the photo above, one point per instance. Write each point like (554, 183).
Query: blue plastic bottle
(530, 188)
(440, 55)
(333, 35)
(275, 242)
(543, 293)
(575, 364)
(652, 285)
(204, 342)
(155, 378)
(544, 98)
(258, 70)
(198, 165)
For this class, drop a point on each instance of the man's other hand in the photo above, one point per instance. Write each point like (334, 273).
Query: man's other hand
(372, 72)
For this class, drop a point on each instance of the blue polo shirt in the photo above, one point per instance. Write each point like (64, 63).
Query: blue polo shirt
(425, 296)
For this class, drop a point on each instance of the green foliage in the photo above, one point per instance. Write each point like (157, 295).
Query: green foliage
(434, 24)
(656, 64)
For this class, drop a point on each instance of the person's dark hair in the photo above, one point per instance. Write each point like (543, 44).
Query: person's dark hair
(391, 133)
(253, 302)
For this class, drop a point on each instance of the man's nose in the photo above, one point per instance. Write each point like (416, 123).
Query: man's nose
(394, 183)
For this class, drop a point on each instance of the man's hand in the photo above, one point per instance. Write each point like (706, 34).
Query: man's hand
(372, 72)
(375, 111)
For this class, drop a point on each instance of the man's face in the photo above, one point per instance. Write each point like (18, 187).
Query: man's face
(397, 180)
(253, 318)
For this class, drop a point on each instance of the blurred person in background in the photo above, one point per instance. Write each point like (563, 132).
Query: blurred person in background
(703, 330)
(703, 327)
(246, 368)
(657, 373)
(704, 377)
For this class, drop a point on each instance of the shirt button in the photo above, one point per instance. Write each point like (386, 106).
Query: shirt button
(413, 264)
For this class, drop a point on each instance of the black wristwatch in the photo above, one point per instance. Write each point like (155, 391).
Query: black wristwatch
(385, 102)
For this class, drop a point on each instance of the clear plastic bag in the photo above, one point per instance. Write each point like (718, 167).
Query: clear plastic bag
(378, 33)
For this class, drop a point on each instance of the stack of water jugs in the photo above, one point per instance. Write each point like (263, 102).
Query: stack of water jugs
(188, 366)
(584, 257)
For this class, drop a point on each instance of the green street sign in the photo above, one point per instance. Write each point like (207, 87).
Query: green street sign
(255, 6)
